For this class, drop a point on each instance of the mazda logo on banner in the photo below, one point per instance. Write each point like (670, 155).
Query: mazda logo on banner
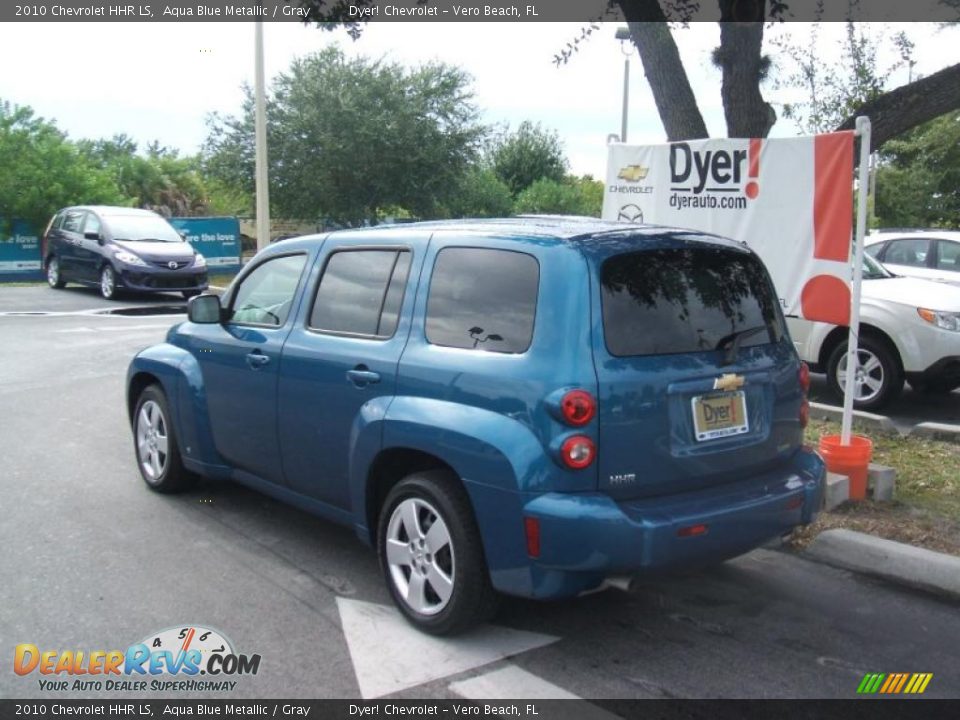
(630, 213)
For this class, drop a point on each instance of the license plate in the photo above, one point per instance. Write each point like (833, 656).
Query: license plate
(719, 415)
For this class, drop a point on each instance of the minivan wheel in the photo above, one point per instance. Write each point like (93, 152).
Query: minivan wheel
(54, 279)
(155, 444)
(878, 378)
(432, 557)
(108, 282)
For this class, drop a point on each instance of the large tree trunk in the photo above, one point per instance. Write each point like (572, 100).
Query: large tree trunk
(899, 110)
(668, 80)
(741, 59)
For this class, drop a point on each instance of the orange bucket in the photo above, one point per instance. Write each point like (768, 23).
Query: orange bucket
(852, 460)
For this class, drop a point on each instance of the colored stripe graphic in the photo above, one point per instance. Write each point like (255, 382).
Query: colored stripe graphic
(894, 683)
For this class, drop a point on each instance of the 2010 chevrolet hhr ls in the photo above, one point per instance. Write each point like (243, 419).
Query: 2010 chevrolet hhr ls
(526, 406)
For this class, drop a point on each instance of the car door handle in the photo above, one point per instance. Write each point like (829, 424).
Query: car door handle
(361, 376)
(257, 359)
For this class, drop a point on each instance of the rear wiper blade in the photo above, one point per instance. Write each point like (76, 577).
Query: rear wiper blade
(734, 340)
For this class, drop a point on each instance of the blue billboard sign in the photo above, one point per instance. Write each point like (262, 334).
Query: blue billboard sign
(19, 250)
(217, 238)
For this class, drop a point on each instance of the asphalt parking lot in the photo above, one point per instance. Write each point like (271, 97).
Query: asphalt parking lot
(93, 560)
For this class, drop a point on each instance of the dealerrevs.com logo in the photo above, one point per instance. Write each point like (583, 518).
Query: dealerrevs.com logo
(170, 660)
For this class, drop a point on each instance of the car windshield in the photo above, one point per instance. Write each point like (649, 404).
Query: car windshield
(143, 228)
(873, 270)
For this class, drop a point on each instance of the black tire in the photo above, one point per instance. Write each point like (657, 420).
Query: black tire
(108, 282)
(471, 599)
(54, 276)
(152, 416)
(883, 375)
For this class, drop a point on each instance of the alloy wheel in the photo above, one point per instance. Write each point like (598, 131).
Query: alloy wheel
(107, 282)
(420, 556)
(868, 376)
(152, 441)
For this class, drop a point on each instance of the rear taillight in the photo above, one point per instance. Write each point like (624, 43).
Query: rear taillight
(577, 452)
(804, 377)
(578, 407)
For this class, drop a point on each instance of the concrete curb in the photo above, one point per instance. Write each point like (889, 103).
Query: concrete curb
(892, 561)
(931, 430)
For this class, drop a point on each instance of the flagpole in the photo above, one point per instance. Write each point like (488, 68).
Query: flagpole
(260, 150)
(863, 131)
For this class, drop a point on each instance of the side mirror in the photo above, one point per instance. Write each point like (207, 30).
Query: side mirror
(93, 236)
(204, 309)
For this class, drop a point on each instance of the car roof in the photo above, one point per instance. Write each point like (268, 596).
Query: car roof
(885, 234)
(115, 211)
(544, 229)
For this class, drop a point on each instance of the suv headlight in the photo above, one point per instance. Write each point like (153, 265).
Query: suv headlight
(944, 320)
(199, 260)
(129, 258)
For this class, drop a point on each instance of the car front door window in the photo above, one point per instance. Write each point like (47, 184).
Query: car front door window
(266, 295)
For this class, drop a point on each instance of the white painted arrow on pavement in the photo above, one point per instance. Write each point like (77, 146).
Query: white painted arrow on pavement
(389, 655)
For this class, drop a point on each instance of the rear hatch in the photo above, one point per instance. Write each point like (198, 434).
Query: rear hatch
(697, 378)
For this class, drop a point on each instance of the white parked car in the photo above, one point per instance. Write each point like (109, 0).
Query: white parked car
(909, 330)
(928, 254)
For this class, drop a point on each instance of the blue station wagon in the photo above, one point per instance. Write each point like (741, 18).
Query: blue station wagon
(531, 406)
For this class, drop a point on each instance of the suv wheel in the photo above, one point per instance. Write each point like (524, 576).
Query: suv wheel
(54, 279)
(878, 378)
(108, 282)
(432, 557)
(155, 443)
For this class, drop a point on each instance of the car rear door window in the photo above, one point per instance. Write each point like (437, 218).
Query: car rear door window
(483, 299)
(911, 252)
(361, 292)
(265, 296)
(669, 301)
(948, 255)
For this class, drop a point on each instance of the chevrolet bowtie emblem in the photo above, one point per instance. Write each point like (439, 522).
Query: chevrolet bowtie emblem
(729, 381)
(633, 173)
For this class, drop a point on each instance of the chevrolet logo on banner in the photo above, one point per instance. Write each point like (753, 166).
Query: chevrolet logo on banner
(633, 173)
(894, 683)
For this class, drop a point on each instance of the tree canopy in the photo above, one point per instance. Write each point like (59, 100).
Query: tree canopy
(43, 171)
(351, 137)
(528, 154)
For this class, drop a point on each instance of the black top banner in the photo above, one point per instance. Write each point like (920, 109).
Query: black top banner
(362, 11)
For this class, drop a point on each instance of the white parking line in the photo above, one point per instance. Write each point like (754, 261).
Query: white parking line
(510, 683)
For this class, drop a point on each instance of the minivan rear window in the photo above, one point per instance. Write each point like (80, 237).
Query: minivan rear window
(685, 300)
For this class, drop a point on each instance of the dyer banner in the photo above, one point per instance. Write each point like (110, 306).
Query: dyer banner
(216, 238)
(790, 200)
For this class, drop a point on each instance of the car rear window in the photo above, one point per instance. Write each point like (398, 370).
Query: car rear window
(669, 301)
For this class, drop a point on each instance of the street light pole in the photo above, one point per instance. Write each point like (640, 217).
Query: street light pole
(260, 152)
(623, 35)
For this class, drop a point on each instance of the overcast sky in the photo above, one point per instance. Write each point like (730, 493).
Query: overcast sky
(160, 80)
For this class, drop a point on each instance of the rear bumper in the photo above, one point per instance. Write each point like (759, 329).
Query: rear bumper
(585, 538)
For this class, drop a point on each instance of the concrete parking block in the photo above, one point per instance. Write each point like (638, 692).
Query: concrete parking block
(897, 562)
(881, 480)
(880, 422)
(937, 431)
(837, 490)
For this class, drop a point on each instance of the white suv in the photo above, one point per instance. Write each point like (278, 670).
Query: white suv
(928, 254)
(909, 329)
